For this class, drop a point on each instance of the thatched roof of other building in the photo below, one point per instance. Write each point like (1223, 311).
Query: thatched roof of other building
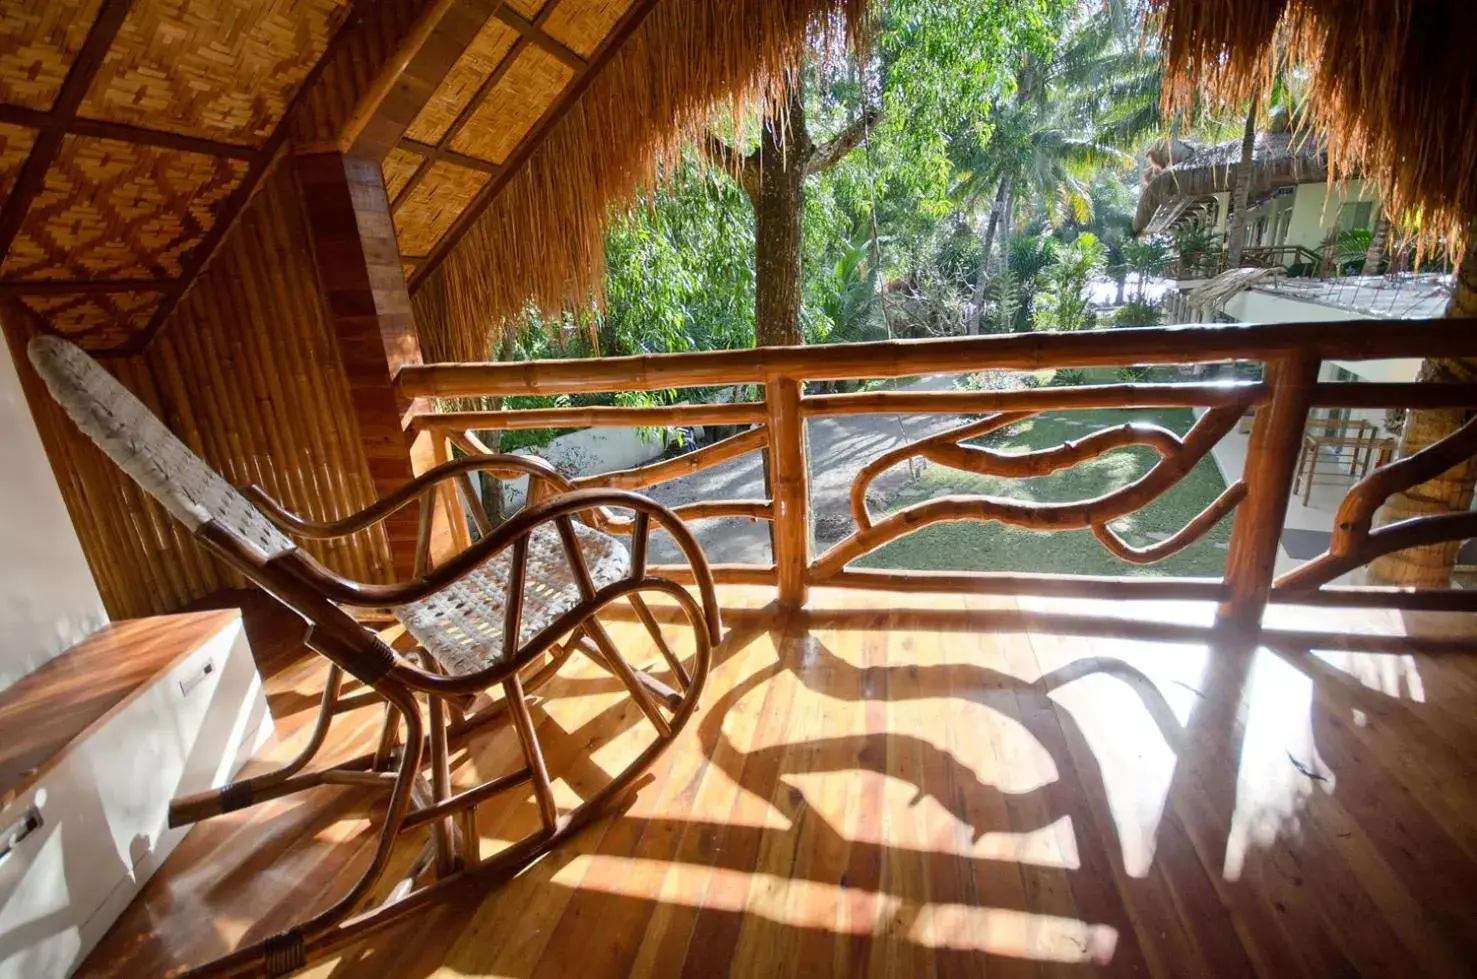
(1393, 85)
(1278, 160)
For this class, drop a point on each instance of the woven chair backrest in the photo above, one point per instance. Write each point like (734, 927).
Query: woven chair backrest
(124, 428)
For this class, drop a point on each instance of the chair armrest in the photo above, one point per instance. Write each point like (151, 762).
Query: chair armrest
(357, 594)
(503, 466)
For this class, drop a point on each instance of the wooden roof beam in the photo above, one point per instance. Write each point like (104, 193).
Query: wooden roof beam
(69, 287)
(442, 150)
(614, 41)
(534, 31)
(46, 121)
(406, 82)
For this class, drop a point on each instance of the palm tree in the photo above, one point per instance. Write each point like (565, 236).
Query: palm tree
(1236, 219)
(1043, 142)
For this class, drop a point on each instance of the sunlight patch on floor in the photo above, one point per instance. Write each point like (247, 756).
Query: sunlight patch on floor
(1280, 765)
(1016, 934)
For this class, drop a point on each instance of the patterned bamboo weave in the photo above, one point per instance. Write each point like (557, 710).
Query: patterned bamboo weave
(462, 626)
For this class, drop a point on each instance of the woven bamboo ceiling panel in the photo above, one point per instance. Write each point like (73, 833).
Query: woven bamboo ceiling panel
(116, 210)
(38, 42)
(219, 70)
(15, 145)
(583, 24)
(104, 321)
(489, 109)
(441, 195)
(457, 90)
(131, 127)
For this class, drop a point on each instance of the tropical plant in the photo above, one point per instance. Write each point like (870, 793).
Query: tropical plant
(849, 305)
(1042, 145)
(1146, 258)
(1350, 250)
(1138, 313)
(1064, 303)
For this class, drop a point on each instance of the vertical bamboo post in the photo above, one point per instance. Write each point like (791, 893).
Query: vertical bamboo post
(1271, 463)
(789, 486)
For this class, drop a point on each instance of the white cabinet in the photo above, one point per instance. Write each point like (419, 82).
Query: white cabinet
(99, 806)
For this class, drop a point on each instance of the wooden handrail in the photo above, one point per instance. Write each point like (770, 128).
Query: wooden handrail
(1370, 340)
(1291, 354)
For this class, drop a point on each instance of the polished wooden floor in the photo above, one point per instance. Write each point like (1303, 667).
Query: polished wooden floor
(913, 786)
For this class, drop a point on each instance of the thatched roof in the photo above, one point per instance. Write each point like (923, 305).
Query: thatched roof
(1393, 85)
(134, 132)
(540, 240)
(1278, 160)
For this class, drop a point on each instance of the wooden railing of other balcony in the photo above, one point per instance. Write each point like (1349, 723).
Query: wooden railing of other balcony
(1291, 355)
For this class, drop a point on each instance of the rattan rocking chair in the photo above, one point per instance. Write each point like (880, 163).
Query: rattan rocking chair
(529, 589)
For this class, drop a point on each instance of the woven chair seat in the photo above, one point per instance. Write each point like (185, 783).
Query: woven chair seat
(462, 625)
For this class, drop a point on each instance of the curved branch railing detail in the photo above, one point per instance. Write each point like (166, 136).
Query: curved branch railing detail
(884, 462)
(1354, 544)
(1198, 526)
(1177, 457)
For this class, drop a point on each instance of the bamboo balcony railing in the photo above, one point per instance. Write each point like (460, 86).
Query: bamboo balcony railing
(1291, 355)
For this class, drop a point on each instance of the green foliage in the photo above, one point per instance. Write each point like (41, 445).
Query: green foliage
(1147, 258)
(1068, 377)
(1063, 303)
(1134, 374)
(681, 270)
(1007, 301)
(1138, 313)
(1350, 249)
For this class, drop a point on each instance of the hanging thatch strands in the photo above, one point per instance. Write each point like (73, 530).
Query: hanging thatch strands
(541, 241)
(1393, 85)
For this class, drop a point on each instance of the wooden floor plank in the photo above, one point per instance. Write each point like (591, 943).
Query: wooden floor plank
(874, 788)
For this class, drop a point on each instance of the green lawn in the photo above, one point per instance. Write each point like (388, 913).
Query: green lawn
(977, 546)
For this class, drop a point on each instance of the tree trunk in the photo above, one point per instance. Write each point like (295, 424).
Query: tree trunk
(779, 233)
(1451, 492)
(1374, 256)
(1236, 220)
(982, 278)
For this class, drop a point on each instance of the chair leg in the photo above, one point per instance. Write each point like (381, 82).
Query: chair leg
(543, 790)
(623, 672)
(259, 788)
(447, 859)
(389, 737)
(654, 629)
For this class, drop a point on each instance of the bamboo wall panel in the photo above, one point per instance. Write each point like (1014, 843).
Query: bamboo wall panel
(224, 70)
(38, 42)
(142, 561)
(246, 372)
(250, 376)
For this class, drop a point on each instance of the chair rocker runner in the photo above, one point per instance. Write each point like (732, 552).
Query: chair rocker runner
(483, 619)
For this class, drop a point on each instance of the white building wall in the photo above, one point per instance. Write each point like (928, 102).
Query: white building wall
(1315, 209)
(48, 600)
(589, 451)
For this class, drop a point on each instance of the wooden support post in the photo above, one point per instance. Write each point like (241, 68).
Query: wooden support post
(1271, 461)
(361, 276)
(789, 488)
